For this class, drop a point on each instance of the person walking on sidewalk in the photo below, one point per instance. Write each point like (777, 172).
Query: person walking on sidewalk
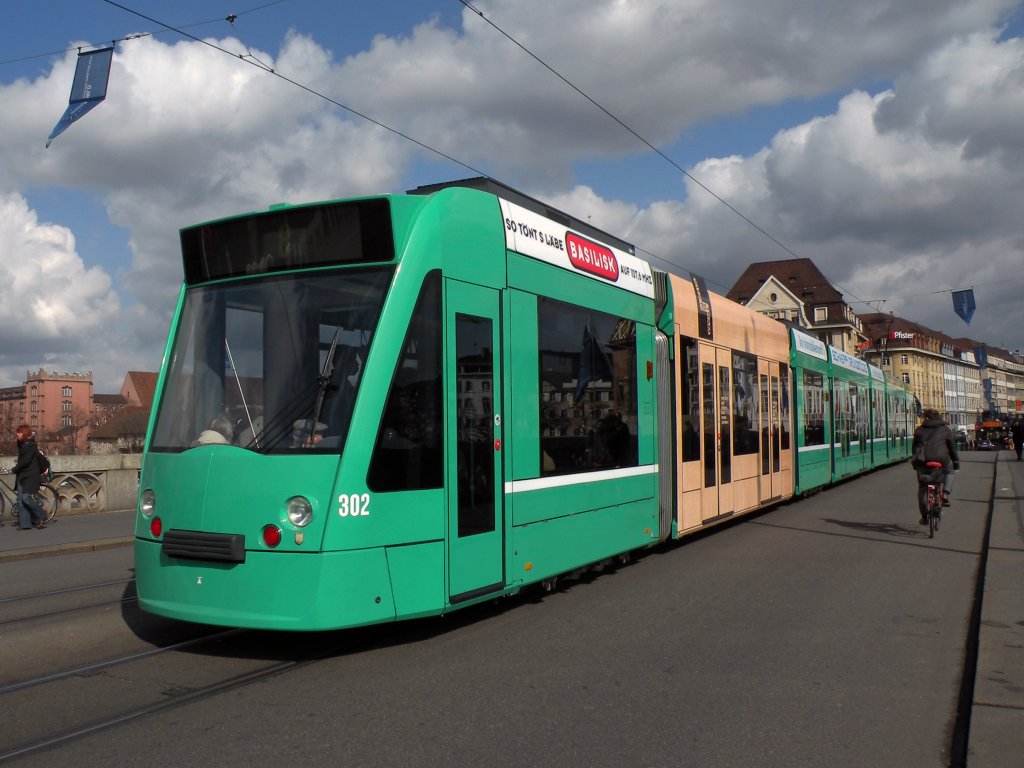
(1017, 433)
(27, 479)
(939, 445)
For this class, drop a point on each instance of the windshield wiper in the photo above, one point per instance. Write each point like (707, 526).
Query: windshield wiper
(238, 383)
(323, 382)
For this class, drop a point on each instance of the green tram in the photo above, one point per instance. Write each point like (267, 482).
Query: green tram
(850, 417)
(395, 406)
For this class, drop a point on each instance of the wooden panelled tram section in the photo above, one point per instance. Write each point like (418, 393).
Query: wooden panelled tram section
(732, 395)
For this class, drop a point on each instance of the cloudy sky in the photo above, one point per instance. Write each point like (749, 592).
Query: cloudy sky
(883, 139)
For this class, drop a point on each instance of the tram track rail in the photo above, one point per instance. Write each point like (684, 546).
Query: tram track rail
(99, 666)
(63, 591)
(171, 694)
(28, 602)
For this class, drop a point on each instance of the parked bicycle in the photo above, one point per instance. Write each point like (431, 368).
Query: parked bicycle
(47, 496)
(932, 496)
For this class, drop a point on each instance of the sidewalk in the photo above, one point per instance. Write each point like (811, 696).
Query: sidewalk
(65, 535)
(997, 712)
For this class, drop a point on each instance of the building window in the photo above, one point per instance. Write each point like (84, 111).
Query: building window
(65, 421)
(905, 377)
(32, 407)
(65, 392)
(65, 406)
(820, 314)
(904, 360)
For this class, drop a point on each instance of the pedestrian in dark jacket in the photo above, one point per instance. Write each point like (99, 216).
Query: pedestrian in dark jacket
(1017, 433)
(28, 478)
(939, 445)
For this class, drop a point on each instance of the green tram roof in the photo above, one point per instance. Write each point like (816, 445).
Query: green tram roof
(505, 192)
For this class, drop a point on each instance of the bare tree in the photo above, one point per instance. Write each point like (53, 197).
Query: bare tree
(80, 419)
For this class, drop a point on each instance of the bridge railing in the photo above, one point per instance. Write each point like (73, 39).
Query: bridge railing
(93, 483)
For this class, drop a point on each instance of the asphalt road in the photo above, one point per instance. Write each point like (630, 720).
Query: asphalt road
(827, 632)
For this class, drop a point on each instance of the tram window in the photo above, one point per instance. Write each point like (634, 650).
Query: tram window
(813, 391)
(723, 427)
(408, 453)
(776, 437)
(784, 408)
(766, 410)
(745, 417)
(690, 392)
(588, 361)
(710, 423)
(275, 357)
(474, 425)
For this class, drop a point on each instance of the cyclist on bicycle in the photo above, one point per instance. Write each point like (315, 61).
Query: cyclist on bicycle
(939, 445)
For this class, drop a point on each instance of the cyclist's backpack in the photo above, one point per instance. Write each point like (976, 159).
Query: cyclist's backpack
(45, 474)
(918, 460)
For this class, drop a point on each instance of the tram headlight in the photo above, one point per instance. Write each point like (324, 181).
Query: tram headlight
(147, 502)
(300, 511)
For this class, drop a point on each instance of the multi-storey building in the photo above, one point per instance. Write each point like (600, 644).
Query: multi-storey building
(63, 410)
(960, 378)
(1002, 381)
(59, 408)
(795, 290)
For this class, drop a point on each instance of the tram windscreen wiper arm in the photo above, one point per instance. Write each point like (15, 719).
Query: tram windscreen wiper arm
(323, 382)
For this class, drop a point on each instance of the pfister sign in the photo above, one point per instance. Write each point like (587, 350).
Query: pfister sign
(541, 238)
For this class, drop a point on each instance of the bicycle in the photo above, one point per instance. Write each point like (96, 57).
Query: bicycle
(47, 496)
(931, 494)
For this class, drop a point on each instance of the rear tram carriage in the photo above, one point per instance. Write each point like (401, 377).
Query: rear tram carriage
(392, 407)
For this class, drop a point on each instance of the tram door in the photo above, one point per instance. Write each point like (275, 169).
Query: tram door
(474, 447)
(771, 431)
(716, 425)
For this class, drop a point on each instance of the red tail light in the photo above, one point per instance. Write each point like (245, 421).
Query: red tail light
(156, 527)
(271, 535)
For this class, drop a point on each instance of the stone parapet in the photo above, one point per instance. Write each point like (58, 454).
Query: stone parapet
(93, 483)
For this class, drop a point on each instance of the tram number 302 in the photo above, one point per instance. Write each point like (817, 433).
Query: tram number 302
(356, 505)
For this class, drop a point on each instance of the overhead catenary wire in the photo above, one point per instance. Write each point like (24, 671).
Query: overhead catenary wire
(248, 59)
(690, 176)
(646, 143)
(253, 61)
(230, 18)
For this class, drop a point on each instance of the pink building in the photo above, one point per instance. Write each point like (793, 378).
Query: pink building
(59, 408)
(63, 410)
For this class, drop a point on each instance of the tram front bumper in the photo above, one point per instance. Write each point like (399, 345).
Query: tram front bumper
(270, 590)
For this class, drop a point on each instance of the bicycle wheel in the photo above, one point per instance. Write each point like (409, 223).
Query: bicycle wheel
(48, 499)
(934, 502)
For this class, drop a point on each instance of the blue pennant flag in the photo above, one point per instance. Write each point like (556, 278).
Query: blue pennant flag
(981, 357)
(963, 304)
(88, 89)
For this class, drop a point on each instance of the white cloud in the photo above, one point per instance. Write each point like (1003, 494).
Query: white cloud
(917, 183)
(897, 196)
(53, 304)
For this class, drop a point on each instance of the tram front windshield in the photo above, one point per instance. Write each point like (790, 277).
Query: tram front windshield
(271, 364)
